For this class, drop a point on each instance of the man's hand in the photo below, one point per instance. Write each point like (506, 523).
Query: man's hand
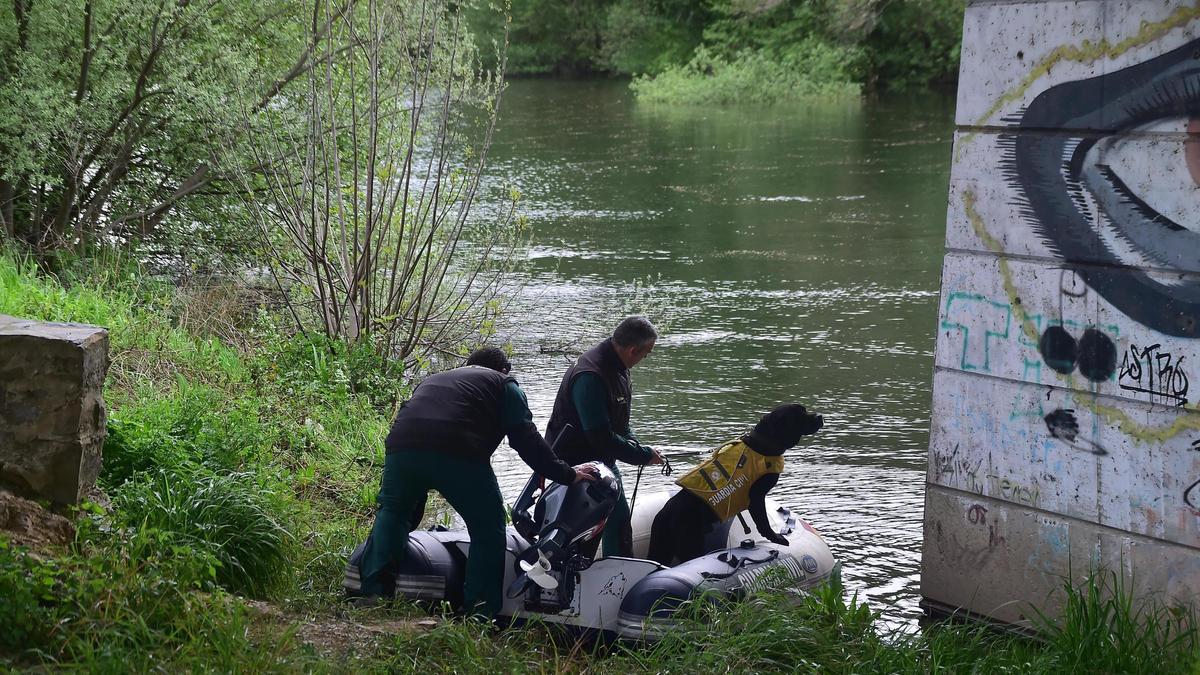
(586, 472)
(655, 456)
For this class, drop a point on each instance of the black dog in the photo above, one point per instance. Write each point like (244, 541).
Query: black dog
(714, 491)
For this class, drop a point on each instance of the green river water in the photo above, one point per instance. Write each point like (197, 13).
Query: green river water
(791, 254)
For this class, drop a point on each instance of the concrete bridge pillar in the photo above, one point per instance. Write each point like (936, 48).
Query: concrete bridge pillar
(1065, 434)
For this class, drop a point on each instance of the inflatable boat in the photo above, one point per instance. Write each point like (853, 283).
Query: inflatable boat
(552, 572)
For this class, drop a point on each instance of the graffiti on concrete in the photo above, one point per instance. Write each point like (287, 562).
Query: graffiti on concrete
(1072, 187)
(1093, 353)
(1070, 302)
(964, 551)
(1151, 370)
(977, 514)
(983, 324)
(979, 321)
(1063, 426)
(963, 473)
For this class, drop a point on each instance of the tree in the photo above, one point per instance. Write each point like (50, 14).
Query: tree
(112, 113)
(366, 177)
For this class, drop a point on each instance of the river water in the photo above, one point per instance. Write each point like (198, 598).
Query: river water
(789, 253)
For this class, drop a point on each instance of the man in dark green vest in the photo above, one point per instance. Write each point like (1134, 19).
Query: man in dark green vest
(596, 397)
(443, 439)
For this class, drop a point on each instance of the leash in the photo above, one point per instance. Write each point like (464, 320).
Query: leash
(744, 525)
(633, 501)
(666, 471)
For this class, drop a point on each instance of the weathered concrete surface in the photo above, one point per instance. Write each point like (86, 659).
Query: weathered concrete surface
(1066, 432)
(1050, 448)
(1001, 560)
(52, 418)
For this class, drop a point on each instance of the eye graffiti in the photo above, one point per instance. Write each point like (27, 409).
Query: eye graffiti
(1086, 194)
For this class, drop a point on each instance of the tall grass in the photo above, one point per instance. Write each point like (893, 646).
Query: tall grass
(1103, 629)
(117, 604)
(229, 518)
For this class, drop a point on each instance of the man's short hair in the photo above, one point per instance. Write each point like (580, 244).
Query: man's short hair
(634, 331)
(490, 357)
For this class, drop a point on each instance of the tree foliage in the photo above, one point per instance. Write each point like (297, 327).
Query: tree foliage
(889, 43)
(112, 114)
(364, 179)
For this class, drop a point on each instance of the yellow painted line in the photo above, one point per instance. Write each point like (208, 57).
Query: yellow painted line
(1112, 415)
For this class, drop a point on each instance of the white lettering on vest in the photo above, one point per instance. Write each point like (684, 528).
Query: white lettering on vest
(724, 493)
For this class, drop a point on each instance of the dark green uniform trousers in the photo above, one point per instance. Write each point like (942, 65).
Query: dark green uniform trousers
(617, 538)
(471, 489)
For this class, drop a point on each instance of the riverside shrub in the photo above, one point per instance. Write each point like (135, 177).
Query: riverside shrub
(812, 69)
(229, 517)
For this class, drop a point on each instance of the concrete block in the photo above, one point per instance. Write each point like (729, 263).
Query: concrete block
(52, 416)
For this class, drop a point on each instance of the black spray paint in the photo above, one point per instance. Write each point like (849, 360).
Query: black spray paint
(1054, 171)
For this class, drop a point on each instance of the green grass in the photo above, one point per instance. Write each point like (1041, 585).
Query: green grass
(256, 461)
(229, 518)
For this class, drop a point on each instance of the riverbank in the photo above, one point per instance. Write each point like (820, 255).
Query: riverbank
(241, 461)
(276, 439)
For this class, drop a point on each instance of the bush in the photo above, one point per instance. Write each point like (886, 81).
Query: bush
(24, 585)
(915, 43)
(638, 40)
(193, 424)
(309, 370)
(121, 602)
(810, 69)
(228, 517)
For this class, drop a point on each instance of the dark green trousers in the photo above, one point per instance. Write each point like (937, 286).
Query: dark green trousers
(471, 489)
(617, 538)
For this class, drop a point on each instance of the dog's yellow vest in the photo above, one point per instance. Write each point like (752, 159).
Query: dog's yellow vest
(724, 481)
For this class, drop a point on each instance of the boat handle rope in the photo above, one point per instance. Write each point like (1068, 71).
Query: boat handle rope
(737, 564)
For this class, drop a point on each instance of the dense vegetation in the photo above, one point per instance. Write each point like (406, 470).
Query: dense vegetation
(720, 51)
(335, 149)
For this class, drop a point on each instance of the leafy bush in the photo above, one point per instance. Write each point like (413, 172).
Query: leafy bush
(229, 517)
(639, 40)
(192, 424)
(316, 370)
(809, 69)
(895, 44)
(915, 43)
(24, 585)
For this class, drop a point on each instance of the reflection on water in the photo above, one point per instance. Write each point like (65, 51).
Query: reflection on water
(792, 255)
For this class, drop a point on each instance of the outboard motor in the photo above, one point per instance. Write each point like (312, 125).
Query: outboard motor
(566, 519)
